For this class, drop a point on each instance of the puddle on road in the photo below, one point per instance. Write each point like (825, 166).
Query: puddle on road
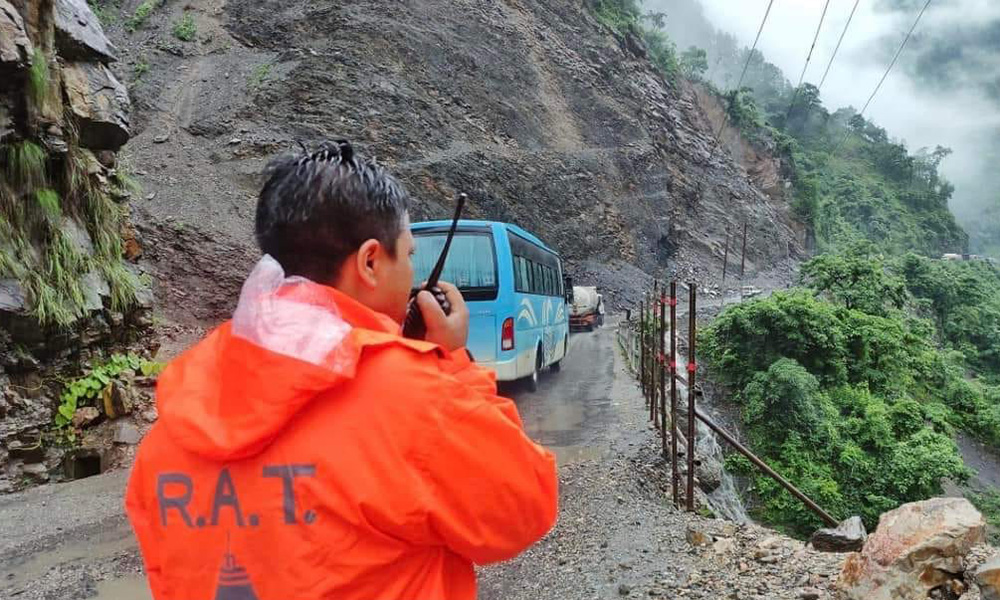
(128, 588)
(568, 455)
(104, 544)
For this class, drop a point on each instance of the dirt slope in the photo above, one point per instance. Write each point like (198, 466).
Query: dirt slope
(534, 108)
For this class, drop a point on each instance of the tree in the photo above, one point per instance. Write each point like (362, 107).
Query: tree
(856, 278)
(694, 62)
(782, 400)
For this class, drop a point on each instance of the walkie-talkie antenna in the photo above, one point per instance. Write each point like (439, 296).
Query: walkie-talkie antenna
(439, 267)
(413, 325)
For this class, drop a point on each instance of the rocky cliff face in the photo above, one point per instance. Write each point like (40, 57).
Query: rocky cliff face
(66, 286)
(63, 117)
(539, 112)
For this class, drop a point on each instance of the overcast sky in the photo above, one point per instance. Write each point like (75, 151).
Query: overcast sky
(958, 115)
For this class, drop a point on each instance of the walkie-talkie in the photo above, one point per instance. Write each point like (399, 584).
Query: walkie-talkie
(414, 326)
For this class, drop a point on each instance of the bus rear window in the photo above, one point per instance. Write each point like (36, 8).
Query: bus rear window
(471, 263)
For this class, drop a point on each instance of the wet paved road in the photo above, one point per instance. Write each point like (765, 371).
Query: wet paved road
(570, 411)
(72, 542)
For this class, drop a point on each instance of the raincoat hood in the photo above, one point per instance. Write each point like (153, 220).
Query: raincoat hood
(289, 340)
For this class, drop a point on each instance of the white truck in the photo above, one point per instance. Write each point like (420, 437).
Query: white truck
(587, 311)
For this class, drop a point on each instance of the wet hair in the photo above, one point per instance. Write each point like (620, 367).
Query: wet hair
(316, 209)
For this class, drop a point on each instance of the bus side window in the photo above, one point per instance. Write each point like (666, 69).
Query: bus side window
(517, 273)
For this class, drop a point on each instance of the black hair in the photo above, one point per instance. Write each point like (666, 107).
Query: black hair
(316, 209)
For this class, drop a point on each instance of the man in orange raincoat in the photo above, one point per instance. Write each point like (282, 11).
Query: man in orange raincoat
(305, 450)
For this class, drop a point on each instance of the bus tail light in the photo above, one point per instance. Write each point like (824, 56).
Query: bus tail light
(507, 334)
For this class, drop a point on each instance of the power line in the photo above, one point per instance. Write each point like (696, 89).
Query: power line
(886, 75)
(746, 66)
(809, 56)
(755, 41)
(839, 42)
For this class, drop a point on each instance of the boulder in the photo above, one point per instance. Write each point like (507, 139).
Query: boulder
(117, 400)
(99, 104)
(988, 579)
(849, 536)
(15, 47)
(917, 548)
(79, 35)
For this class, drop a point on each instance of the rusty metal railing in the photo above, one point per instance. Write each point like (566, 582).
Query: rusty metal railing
(644, 351)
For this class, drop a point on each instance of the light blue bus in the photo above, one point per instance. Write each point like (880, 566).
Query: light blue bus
(513, 285)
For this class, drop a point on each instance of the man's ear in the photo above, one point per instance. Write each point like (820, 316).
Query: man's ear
(367, 259)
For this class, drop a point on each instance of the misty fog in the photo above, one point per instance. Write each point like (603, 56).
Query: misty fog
(945, 90)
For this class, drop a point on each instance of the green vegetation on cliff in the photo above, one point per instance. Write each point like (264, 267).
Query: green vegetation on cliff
(853, 385)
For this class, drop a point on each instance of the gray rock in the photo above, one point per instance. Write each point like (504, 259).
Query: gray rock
(95, 288)
(15, 47)
(624, 590)
(99, 104)
(78, 33)
(849, 536)
(37, 472)
(12, 296)
(77, 234)
(127, 433)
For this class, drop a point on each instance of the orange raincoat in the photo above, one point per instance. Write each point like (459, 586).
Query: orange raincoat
(353, 465)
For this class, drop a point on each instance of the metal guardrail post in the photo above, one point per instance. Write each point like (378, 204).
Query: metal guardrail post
(653, 371)
(674, 475)
(653, 352)
(642, 346)
(661, 338)
(743, 261)
(692, 367)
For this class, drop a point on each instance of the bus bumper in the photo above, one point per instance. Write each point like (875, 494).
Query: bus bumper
(506, 370)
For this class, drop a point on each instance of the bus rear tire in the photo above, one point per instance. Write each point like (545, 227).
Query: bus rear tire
(531, 381)
(557, 366)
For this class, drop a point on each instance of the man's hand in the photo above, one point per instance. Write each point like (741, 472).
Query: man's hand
(448, 331)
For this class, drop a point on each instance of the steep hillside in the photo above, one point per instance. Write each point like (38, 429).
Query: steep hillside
(541, 113)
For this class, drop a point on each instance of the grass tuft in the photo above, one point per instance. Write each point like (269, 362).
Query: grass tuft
(39, 78)
(185, 29)
(26, 162)
(48, 201)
